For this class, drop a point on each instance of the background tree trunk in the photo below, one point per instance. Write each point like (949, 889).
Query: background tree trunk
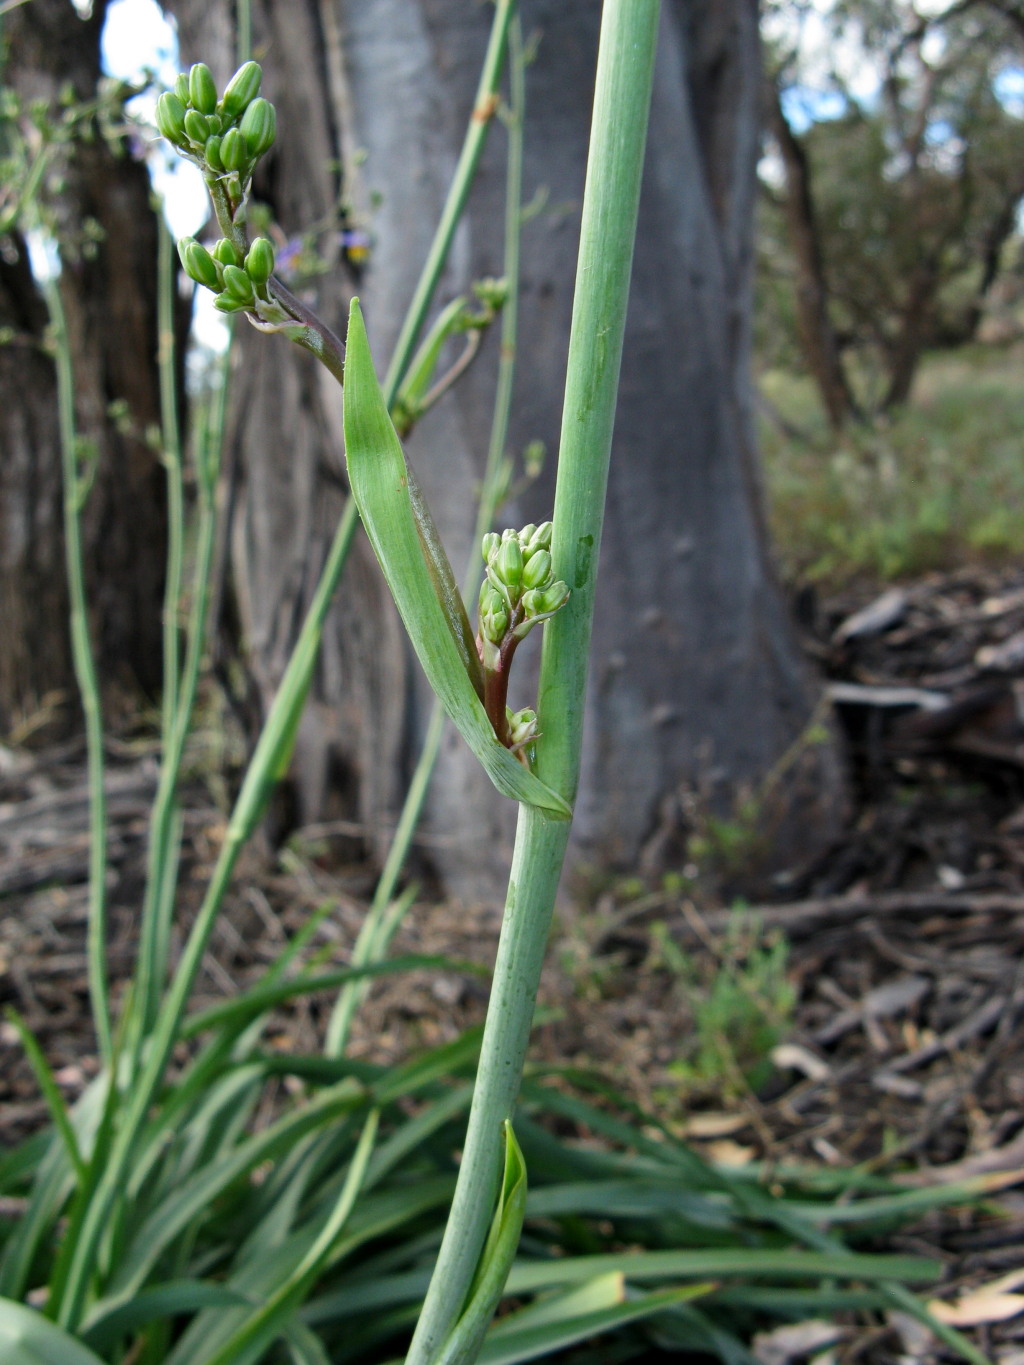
(697, 687)
(108, 287)
(817, 335)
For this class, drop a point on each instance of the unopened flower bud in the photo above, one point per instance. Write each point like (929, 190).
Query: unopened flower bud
(170, 117)
(224, 251)
(552, 597)
(238, 284)
(242, 89)
(212, 153)
(233, 151)
(259, 127)
(489, 547)
(259, 262)
(196, 128)
(540, 538)
(522, 726)
(202, 92)
(537, 569)
(508, 563)
(198, 263)
(226, 303)
(181, 87)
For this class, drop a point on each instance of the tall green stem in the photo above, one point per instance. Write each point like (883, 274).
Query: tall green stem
(162, 823)
(85, 673)
(621, 104)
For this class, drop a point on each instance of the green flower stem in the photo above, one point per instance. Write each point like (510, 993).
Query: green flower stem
(171, 453)
(271, 751)
(485, 107)
(619, 131)
(163, 823)
(372, 942)
(533, 880)
(85, 674)
(611, 196)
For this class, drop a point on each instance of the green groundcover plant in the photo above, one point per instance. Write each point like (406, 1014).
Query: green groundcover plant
(156, 1222)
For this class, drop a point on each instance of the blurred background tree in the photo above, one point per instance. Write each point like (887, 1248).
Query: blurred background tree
(891, 187)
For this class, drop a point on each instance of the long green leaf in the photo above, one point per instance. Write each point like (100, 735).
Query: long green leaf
(566, 1321)
(463, 1343)
(27, 1338)
(380, 483)
(173, 1299)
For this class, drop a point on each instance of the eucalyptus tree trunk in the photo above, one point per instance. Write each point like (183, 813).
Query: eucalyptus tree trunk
(108, 287)
(698, 695)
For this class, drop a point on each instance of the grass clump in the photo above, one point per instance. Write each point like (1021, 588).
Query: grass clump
(938, 483)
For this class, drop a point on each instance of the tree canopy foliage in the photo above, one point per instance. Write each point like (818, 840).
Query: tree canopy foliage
(892, 182)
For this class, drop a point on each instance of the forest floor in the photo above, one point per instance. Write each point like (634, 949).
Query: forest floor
(870, 1011)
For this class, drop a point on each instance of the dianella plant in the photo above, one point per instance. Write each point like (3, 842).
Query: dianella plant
(531, 755)
(159, 1223)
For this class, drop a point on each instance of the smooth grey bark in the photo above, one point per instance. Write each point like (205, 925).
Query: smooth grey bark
(697, 685)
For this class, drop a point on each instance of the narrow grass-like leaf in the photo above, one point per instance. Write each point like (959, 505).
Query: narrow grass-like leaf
(769, 1263)
(463, 1343)
(27, 1338)
(263, 997)
(185, 1203)
(172, 1299)
(380, 484)
(248, 1344)
(556, 1330)
(51, 1091)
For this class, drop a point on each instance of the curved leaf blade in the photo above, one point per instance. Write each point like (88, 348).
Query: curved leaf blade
(380, 483)
(27, 1338)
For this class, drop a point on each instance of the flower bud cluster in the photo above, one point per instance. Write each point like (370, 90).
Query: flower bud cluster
(237, 281)
(519, 589)
(225, 137)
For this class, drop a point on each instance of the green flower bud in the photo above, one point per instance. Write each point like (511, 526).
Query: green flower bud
(242, 89)
(226, 304)
(212, 153)
(238, 284)
(552, 598)
(199, 264)
(181, 88)
(233, 150)
(202, 92)
(525, 535)
(508, 563)
(489, 548)
(170, 117)
(522, 726)
(540, 538)
(259, 127)
(537, 569)
(259, 263)
(224, 251)
(196, 128)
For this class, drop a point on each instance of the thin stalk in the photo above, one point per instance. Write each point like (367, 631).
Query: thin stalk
(485, 106)
(372, 941)
(243, 24)
(85, 675)
(259, 781)
(171, 454)
(611, 197)
(162, 823)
